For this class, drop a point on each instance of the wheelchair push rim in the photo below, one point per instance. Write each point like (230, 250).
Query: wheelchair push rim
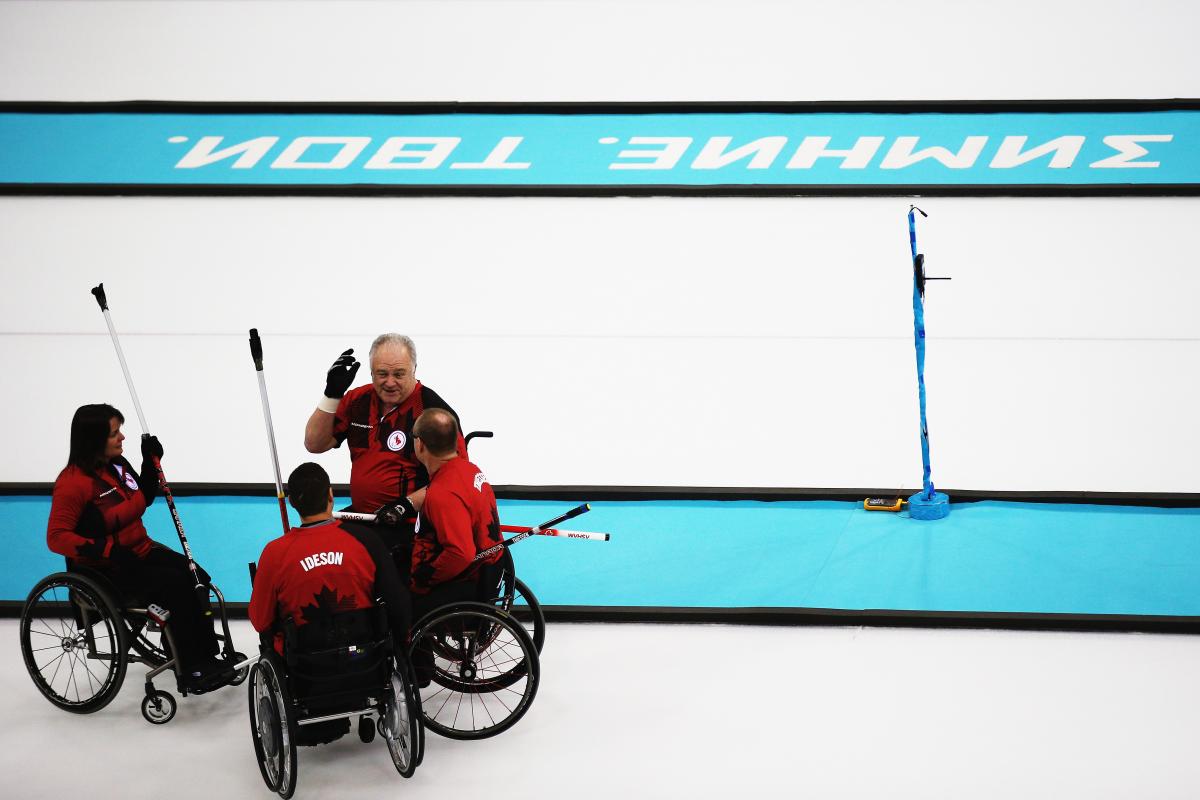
(517, 599)
(272, 729)
(399, 722)
(73, 641)
(485, 671)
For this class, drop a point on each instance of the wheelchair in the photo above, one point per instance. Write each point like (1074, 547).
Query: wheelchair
(484, 651)
(477, 662)
(79, 635)
(329, 673)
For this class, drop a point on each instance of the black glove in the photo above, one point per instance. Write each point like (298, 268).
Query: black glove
(394, 514)
(148, 482)
(91, 523)
(151, 448)
(148, 479)
(341, 374)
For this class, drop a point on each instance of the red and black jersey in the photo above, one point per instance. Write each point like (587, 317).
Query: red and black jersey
(458, 520)
(318, 570)
(90, 512)
(383, 465)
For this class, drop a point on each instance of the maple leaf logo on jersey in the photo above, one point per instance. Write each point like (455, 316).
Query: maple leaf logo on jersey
(494, 529)
(326, 603)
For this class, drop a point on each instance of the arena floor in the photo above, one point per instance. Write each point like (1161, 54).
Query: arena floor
(698, 711)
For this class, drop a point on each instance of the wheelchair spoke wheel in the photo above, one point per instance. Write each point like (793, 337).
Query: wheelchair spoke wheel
(272, 728)
(73, 643)
(484, 672)
(400, 722)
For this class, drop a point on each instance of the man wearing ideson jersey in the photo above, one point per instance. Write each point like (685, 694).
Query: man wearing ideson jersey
(458, 519)
(377, 421)
(317, 570)
(321, 568)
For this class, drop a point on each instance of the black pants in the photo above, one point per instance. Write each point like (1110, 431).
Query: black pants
(163, 577)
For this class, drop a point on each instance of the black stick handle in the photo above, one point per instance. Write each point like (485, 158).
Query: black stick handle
(98, 293)
(574, 512)
(256, 349)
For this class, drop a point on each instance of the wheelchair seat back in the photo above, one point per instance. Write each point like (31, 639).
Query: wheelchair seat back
(339, 661)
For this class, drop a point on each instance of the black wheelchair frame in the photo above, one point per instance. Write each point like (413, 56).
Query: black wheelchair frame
(73, 619)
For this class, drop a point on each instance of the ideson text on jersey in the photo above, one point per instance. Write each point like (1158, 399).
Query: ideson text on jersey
(320, 560)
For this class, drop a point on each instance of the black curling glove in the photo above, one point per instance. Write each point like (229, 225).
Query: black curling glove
(394, 514)
(148, 481)
(341, 375)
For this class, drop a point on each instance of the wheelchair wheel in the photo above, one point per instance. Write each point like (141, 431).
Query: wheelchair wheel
(272, 727)
(73, 642)
(517, 599)
(400, 722)
(484, 672)
(158, 708)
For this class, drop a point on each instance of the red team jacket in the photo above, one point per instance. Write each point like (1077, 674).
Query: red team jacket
(317, 570)
(115, 494)
(458, 520)
(383, 465)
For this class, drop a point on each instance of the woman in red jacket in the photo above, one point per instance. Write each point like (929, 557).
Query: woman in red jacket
(96, 521)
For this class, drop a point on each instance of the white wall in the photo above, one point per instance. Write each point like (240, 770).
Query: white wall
(663, 341)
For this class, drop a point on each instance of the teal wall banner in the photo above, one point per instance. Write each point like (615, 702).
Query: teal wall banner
(170, 148)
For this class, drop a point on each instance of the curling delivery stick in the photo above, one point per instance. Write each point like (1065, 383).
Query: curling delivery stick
(200, 588)
(354, 516)
(256, 353)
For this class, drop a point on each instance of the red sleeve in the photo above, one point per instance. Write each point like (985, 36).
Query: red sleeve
(451, 519)
(71, 494)
(263, 597)
(341, 419)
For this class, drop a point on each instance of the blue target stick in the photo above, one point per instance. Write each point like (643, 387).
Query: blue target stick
(929, 504)
(919, 339)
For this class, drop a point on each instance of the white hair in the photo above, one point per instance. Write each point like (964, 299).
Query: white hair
(386, 339)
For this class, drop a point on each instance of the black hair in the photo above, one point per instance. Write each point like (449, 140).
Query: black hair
(308, 489)
(437, 428)
(90, 428)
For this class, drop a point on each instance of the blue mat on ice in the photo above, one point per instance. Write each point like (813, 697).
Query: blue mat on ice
(985, 557)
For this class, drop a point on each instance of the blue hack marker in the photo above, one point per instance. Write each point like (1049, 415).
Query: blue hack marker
(928, 503)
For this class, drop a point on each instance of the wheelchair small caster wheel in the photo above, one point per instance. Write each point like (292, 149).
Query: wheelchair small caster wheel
(158, 707)
(239, 676)
(366, 730)
(467, 671)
